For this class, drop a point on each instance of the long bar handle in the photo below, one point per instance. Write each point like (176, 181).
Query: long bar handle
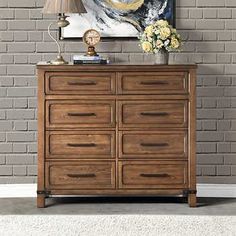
(81, 114)
(154, 144)
(154, 82)
(81, 144)
(81, 83)
(154, 113)
(81, 175)
(164, 175)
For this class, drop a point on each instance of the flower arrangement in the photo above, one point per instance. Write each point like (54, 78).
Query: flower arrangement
(160, 36)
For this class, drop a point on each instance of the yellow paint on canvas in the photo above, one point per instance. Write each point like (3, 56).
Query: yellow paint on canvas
(133, 5)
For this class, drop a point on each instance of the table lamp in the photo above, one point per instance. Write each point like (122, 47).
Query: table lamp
(61, 7)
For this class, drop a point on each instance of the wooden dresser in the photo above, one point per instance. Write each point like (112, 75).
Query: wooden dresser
(116, 130)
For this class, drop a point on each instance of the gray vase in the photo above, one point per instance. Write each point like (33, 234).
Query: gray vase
(162, 57)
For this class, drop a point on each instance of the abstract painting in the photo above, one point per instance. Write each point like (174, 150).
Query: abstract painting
(119, 18)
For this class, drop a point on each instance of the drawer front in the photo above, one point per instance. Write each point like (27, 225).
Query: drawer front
(82, 175)
(153, 83)
(161, 144)
(82, 144)
(80, 83)
(154, 175)
(153, 113)
(78, 113)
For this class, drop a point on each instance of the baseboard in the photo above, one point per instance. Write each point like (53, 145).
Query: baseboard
(203, 190)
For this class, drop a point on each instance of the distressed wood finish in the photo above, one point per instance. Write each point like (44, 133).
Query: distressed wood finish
(116, 130)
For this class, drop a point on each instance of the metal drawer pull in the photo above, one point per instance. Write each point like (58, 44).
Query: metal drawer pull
(81, 144)
(155, 175)
(154, 83)
(81, 114)
(81, 175)
(154, 113)
(154, 144)
(81, 83)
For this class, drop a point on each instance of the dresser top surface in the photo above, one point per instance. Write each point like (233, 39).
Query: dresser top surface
(116, 66)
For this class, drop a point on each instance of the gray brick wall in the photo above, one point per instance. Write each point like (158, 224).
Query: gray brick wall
(209, 28)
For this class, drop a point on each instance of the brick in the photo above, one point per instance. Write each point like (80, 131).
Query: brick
(46, 47)
(209, 125)
(208, 69)
(7, 59)
(212, 136)
(195, 13)
(35, 36)
(206, 147)
(223, 148)
(225, 36)
(209, 103)
(230, 114)
(32, 125)
(21, 47)
(230, 159)
(19, 148)
(20, 159)
(19, 170)
(5, 125)
(7, 36)
(6, 14)
(5, 170)
(20, 125)
(20, 114)
(21, 3)
(21, 25)
(3, 25)
(186, 3)
(5, 103)
(230, 24)
(36, 14)
(210, 3)
(6, 81)
(131, 47)
(20, 103)
(224, 13)
(182, 13)
(230, 92)
(21, 59)
(21, 92)
(32, 148)
(223, 103)
(230, 136)
(230, 3)
(5, 147)
(20, 137)
(210, 92)
(20, 36)
(210, 24)
(21, 14)
(2, 137)
(208, 170)
(32, 103)
(183, 24)
(223, 125)
(212, 47)
(32, 170)
(223, 58)
(3, 47)
(209, 36)
(21, 70)
(210, 13)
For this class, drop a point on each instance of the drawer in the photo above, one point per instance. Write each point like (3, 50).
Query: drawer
(82, 144)
(80, 83)
(152, 175)
(153, 83)
(80, 113)
(166, 113)
(159, 144)
(80, 175)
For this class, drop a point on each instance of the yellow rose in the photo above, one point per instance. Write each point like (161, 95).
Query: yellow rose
(147, 47)
(174, 43)
(149, 30)
(162, 23)
(165, 33)
(159, 44)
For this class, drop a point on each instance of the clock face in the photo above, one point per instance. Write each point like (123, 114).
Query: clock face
(91, 37)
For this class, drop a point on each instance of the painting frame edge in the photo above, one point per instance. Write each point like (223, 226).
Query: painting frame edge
(61, 38)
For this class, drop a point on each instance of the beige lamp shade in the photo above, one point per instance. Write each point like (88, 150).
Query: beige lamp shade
(64, 6)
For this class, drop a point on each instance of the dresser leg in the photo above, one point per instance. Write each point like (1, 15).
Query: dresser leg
(192, 200)
(41, 201)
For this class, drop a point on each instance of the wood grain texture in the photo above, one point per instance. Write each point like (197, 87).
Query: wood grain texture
(117, 130)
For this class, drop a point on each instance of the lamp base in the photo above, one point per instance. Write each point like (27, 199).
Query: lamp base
(59, 61)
